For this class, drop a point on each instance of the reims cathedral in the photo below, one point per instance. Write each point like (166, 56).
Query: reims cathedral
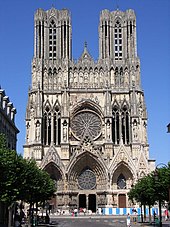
(86, 120)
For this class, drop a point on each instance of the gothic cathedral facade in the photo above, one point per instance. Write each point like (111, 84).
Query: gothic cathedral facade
(86, 120)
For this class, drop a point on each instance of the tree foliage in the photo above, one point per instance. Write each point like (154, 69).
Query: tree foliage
(22, 179)
(153, 187)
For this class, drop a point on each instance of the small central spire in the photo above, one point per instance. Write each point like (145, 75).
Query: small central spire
(117, 5)
(85, 45)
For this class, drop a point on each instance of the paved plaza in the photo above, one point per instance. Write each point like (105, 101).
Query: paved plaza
(95, 221)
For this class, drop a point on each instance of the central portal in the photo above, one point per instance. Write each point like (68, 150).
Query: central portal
(82, 201)
(92, 203)
(88, 202)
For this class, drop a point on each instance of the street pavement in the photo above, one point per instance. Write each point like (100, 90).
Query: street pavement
(95, 221)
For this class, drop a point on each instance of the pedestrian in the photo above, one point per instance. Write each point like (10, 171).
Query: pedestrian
(75, 212)
(166, 215)
(154, 216)
(128, 220)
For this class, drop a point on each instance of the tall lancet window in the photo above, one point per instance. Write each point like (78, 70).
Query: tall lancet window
(118, 41)
(57, 126)
(52, 40)
(47, 126)
(115, 126)
(125, 125)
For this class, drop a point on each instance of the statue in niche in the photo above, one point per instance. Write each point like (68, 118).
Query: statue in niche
(96, 100)
(108, 129)
(50, 80)
(91, 78)
(112, 77)
(59, 78)
(32, 113)
(33, 78)
(126, 79)
(64, 133)
(37, 131)
(140, 109)
(97, 80)
(81, 78)
(92, 97)
(75, 78)
(133, 76)
(116, 78)
(86, 77)
(135, 131)
(75, 99)
(121, 78)
(71, 78)
(101, 78)
(138, 75)
(55, 80)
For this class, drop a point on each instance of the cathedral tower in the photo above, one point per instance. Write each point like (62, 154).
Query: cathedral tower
(86, 121)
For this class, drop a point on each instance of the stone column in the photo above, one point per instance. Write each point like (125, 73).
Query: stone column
(87, 202)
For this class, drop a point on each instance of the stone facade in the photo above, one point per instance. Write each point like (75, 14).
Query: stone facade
(86, 120)
(7, 120)
(10, 131)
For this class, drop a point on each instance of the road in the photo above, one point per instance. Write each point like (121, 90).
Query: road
(90, 221)
(95, 221)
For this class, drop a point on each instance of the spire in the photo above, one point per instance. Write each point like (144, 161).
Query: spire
(117, 5)
(85, 55)
(85, 45)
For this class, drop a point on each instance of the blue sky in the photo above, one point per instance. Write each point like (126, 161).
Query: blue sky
(153, 37)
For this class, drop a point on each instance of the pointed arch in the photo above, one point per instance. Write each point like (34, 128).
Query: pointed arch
(52, 164)
(56, 175)
(47, 123)
(50, 71)
(122, 176)
(57, 123)
(87, 161)
(96, 69)
(125, 122)
(54, 70)
(115, 123)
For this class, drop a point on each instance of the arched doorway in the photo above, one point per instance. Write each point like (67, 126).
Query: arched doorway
(122, 200)
(82, 201)
(92, 202)
(88, 202)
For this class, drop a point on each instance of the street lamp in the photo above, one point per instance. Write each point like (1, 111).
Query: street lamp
(156, 177)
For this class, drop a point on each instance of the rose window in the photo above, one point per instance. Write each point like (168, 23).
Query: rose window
(87, 180)
(86, 122)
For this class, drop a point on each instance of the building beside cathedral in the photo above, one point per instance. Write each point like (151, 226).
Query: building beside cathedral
(86, 120)
(9, 130)
(7, 120)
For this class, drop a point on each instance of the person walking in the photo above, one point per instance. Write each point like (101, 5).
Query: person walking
(128, 220)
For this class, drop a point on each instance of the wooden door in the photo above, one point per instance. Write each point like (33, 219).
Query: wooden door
(122, 201)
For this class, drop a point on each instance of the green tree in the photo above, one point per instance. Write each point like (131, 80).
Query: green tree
(22, 179)
(152, 188)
